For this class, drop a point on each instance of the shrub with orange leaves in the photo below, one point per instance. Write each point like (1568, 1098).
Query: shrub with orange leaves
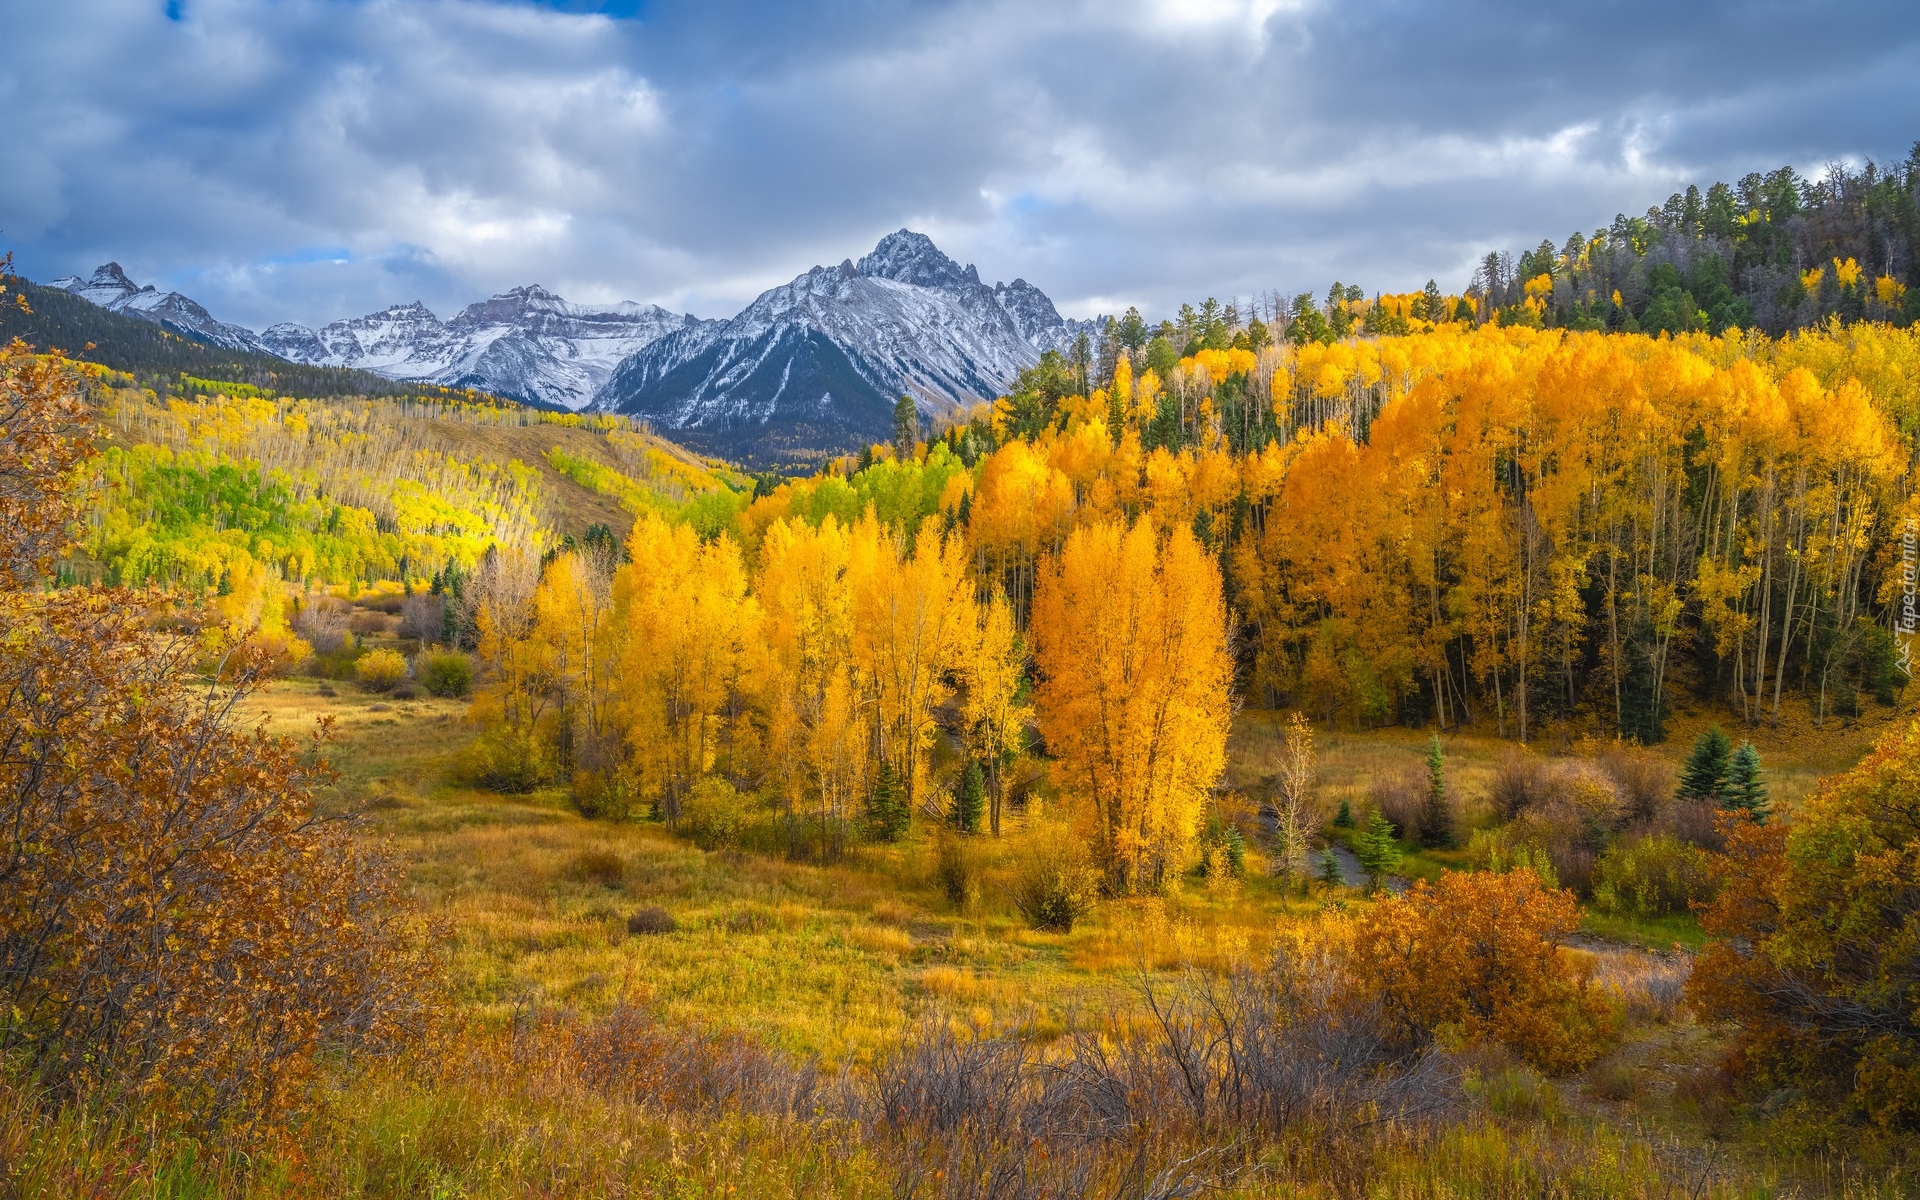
(1481, 956)
(177, 928)
(1816, 944)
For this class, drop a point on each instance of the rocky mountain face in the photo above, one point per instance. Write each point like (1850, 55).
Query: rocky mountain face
(815, 365)
(528, 344)
(112, 290)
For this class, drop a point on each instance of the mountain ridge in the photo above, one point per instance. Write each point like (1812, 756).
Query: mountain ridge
(526, 343)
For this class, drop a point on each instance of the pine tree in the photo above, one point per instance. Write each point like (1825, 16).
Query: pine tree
(970, 802)
(1376, 849)
(1705, 775)
(886, 807)
(906, 427)
(1344, 818)
(1330, 872)
(1746, 787)
(1436, 819)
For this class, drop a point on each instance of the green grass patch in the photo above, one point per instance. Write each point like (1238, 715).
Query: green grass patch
(1653, 933)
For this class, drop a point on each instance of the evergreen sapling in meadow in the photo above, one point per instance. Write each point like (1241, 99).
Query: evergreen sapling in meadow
(1705, 775)
(1330, 872)
(1436, 818)
(1746, 787)
(1376, 848)
(886, 807)
(970, 801)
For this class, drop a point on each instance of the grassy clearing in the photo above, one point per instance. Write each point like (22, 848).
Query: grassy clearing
(838, 963)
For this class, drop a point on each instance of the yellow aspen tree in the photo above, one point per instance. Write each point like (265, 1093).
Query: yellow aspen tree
(575, 631)
(686, 621)
(912, 618)
(1130, 637)
(814, 706)
(992, 713)
(515, 691)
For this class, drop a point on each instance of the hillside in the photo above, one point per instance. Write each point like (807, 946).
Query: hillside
(217, 478)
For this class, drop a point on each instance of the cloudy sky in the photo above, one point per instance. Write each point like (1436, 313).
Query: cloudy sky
(311, 159)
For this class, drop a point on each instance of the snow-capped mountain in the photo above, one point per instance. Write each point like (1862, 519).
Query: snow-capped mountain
(111, 289)
(815, 365)
(528, 344)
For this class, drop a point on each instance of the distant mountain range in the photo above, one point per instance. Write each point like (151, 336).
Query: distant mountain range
(527, 343)
(810, 367)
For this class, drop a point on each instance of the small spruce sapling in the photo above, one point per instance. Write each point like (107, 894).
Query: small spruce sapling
(1330, 872)
(1436, 818)
(970, 802)
(1377, 850)
(886, 807)
(1746, 783)
(1705, 775)
(1344, 818)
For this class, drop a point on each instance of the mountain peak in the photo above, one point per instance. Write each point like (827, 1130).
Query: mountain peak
(909, 257)
(110, 275)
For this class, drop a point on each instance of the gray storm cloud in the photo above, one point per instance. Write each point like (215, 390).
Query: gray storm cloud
(307, 159)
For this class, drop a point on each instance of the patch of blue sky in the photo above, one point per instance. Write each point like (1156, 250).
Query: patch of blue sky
(624, 9)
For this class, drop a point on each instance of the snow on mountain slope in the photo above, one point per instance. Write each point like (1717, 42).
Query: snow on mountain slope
(527, 343)
(814, 365)
(112, 290)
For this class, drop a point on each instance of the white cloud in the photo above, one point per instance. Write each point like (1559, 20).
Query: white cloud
(307, 159)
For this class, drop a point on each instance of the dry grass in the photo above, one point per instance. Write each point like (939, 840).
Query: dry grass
(838, 964)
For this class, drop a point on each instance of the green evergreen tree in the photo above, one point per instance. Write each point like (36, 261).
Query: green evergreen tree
(1705, 775)
(1746, 783)
(1436, 818)
(1330, 872)
(1224, 837)
(970, 802)
(1377, 850)
(906, 427)
(1344, 818)
(886, 807)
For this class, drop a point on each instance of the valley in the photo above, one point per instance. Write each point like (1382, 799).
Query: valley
(899, 741)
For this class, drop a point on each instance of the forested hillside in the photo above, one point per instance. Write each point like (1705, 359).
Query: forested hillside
(1773, 252)
(1496, 525)
(226, 482)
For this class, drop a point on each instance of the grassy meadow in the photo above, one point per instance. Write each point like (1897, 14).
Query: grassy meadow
(836, 966)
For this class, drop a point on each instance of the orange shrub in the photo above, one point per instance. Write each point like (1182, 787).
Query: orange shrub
(177, 929)
(1816, 950)
(1481, 955)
